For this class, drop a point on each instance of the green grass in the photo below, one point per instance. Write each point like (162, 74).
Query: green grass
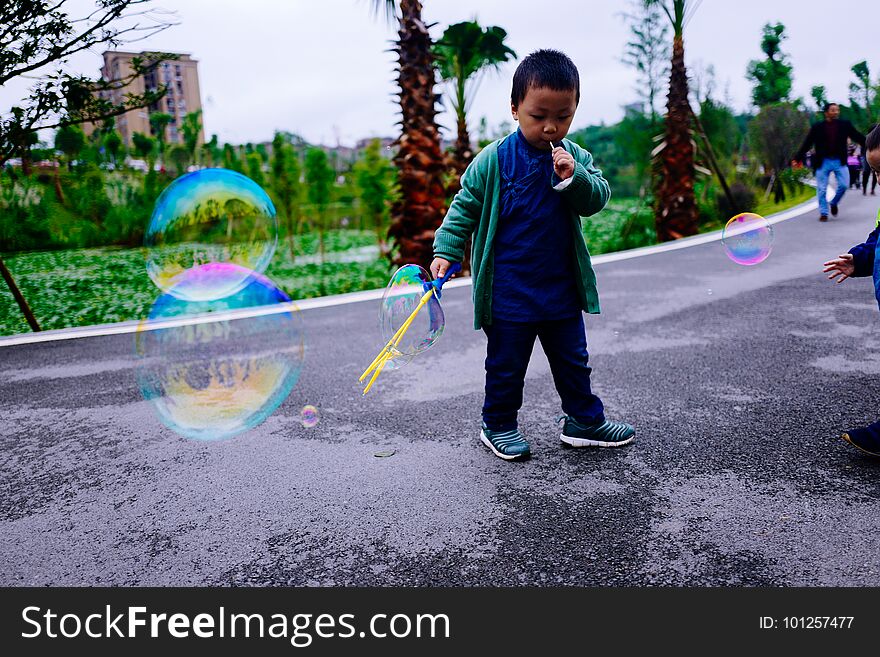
(81, 287)
(765, 209)
(625, 223)
(804, 193)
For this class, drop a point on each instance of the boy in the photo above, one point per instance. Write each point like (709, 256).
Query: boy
(521, 199)
(861, 260)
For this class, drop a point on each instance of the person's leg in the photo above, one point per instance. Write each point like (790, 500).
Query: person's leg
(507, 358)
(873, 182)
(822, 187)
(866, 173)
(841, 174)
(565, 343)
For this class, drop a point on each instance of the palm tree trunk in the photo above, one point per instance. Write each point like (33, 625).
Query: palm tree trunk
(677, 210)
(419, 210)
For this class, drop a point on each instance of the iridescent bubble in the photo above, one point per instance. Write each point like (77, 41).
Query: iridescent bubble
(208, 217)
(402, 296)
(211, 373)
(309, 416)
(747, 238)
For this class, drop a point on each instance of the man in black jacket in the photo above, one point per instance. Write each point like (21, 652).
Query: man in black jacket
(829, 139)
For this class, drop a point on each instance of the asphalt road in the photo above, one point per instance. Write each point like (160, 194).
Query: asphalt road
(737, 379)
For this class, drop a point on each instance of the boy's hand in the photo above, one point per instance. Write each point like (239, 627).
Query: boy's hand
(439, 267)
(563, 163)
(841, 266)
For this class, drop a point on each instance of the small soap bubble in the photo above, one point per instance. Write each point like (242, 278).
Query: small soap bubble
(309, 416)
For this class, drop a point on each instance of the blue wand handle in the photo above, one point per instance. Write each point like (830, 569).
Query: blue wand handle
(438, 284)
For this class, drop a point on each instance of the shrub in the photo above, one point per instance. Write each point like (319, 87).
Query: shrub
(743, 196)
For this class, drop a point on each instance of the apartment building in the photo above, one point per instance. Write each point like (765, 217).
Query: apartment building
(181, 76)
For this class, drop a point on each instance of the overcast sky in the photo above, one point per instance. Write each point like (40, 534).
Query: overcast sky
(320, 67)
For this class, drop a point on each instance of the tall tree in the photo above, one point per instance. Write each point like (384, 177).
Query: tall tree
(775, 134)
(230, 159)
(113, 143)
(192, 128)
(676, 208)
(255, 168)
(286, 184)
(772, 76)
(863, 96)
(143, 145)
(420, 208)
(211, 152)
(463, 54)
(819, 96)
(158, 124)
(70, 140)
(36, 41)
(319, 177)
(374, 178)
(179, 156)
(647, 51)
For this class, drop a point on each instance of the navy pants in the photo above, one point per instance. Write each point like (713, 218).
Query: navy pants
(507, 356)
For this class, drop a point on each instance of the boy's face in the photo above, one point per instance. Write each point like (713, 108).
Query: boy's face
(545, 115)
(873, 158)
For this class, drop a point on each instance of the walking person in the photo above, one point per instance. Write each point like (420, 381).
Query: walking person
(829, 139)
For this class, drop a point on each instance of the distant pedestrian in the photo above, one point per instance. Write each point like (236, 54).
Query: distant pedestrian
(867, 171)
(854, 164)
(863, 260)
(829, 139)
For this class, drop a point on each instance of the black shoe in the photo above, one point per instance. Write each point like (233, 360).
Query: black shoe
(833, 210)
(823, 217)
(602, 434)
(865, 439)
(507, 445)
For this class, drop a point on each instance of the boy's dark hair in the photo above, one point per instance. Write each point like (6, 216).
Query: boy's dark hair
(545, 68)
(828, 106)
(872, 141)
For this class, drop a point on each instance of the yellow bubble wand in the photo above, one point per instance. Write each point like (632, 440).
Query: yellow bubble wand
(390, 350)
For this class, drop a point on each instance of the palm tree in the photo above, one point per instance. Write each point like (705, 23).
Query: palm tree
(464, 52)
(421, 205)
(676, 212)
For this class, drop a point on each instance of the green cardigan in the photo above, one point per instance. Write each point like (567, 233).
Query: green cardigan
(474, 214)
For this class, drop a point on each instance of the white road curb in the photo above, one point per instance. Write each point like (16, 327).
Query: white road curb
(353, 297)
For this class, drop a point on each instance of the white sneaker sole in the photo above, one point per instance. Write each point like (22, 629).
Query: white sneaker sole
(506, 457)
(583, 442)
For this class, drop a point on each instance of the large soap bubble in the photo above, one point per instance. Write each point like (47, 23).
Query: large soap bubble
(209, 373)
(402, 295)
(207, 217)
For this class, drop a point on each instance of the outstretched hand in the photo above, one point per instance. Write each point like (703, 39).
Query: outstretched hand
(842, 267)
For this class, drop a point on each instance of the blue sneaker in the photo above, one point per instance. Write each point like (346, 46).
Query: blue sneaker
(866, 439)
(507, 445)
(601, 434)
